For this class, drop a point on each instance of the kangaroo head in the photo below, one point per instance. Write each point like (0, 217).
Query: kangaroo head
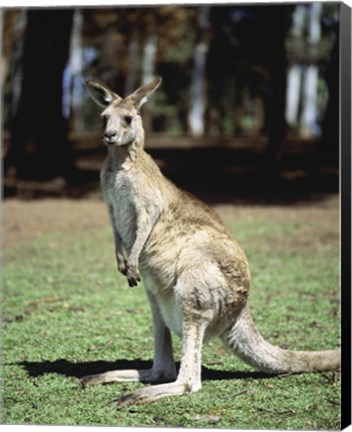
(122, 122)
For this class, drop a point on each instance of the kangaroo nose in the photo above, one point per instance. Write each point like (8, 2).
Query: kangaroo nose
(110, 135)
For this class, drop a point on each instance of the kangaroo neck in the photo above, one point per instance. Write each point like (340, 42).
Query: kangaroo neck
(124, 157)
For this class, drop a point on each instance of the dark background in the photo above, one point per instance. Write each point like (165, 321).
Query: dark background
(248, 108)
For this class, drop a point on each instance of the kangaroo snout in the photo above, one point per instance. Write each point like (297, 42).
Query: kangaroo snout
(110, 136)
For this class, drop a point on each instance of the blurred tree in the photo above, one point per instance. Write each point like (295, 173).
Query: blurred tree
(309, 48)
(149, 50)
(197, 99)
(14, 23)
(132, 45)
(310, 108)
(234, 34)
(295, 71)
(247, 64)
(242, 51)
(39, 147)
(276, 21)
(329, 145)
(73, 76)
(133, 63)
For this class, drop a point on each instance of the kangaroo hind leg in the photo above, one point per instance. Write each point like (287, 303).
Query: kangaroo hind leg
(195, 319)
(189, 376)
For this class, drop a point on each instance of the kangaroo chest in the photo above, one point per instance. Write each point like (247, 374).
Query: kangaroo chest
(120, 195)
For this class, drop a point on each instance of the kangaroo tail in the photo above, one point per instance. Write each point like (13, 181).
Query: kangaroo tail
(249, 345)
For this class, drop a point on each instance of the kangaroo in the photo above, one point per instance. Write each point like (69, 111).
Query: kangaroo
(195, 274)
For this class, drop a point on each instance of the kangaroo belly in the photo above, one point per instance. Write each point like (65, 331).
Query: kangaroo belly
(167, 303)
(172, 315)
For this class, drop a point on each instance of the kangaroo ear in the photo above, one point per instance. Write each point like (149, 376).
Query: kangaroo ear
(100, 93)
(141, 95)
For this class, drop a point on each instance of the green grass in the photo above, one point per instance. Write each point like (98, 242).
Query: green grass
(66, 312)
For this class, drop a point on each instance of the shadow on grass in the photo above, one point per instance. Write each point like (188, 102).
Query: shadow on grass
(78, 370)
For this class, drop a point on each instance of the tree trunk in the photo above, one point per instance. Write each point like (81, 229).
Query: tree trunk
(149, 54)
(276, 27)
(309, 113)
(75, 91)
(293, 94)
(148, 65)
(39, 148)
(132, 69)
(329, 146)
(294, 80)
(197, 96)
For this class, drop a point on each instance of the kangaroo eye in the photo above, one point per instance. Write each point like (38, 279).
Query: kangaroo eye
(127, 119)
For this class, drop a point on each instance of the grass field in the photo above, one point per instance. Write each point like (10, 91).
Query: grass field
(67, 313)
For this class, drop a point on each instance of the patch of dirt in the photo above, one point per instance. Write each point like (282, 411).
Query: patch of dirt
(25, 220)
